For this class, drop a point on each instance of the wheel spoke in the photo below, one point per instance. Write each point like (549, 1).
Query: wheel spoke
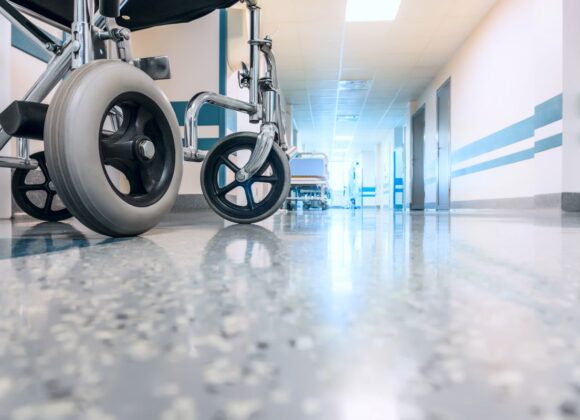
(117, 149)
(227, 189)
(49, 199)
(229, 164)
(32, 187)
(142, 118)
(43, 168)
(136, 182)
(147, 178)
(271, 179)
(250, 197)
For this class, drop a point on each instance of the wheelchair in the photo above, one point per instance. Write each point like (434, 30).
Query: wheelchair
(113, 150)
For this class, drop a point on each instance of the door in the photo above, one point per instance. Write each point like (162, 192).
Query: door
(418, 160)
(444, 148)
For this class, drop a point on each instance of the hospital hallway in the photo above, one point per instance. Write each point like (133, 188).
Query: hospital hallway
(342, 315)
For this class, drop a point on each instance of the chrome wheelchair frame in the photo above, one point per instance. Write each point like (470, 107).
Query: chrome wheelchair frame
(264, 105)
(93, 34)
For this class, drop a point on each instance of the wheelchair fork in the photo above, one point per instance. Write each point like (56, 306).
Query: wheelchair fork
(264, 106)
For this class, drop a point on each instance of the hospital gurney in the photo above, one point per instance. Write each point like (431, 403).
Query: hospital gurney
(114, 150)
(309, 181)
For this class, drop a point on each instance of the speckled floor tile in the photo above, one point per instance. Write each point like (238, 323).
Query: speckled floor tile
(336, 316)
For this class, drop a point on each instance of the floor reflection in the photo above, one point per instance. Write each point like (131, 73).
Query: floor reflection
(340, 315)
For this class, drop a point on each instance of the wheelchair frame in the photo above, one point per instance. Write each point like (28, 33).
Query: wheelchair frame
(91, 30)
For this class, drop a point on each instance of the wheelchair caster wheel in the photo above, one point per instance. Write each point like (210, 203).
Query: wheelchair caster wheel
(114, 148)
(34, 192)
(244, 202)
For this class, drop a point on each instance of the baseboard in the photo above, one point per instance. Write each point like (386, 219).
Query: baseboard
(549, 201)
(566, 201)
(497, 204)
(571, 202)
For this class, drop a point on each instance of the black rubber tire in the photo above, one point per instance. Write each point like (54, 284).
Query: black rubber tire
(72, 137)
(20, 190)
(274, 200)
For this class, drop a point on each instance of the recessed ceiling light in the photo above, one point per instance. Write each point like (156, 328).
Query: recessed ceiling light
(372, 10)
(343, 138)
(347, 118)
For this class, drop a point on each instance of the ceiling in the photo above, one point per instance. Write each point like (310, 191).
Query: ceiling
(316, 48)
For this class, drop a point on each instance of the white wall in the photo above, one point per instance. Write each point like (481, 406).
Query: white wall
(571, 149)
(5, 197)
(549, 61)
(508, 66)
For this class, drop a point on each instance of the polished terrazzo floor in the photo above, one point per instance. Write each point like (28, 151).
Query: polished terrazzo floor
(337, 316)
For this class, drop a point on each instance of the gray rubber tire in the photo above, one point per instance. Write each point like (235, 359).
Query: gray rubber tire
(71, 135)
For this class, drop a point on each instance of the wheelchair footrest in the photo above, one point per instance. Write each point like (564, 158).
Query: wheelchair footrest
(157, 68)
(24, 119)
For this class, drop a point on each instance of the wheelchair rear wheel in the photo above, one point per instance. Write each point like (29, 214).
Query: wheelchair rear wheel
(35, 194)
(114, 149)
(244, 202)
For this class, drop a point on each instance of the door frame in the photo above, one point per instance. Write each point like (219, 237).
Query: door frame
(421, 109)
(446, 84)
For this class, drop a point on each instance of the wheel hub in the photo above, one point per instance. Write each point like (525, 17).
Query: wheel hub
(146, 149)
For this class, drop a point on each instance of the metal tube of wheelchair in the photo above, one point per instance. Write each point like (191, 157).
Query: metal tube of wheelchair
(82, 32)
(23, 149)
(191, 150)
(270, 99)
(259, 154)
(254, 58)
(57, 68)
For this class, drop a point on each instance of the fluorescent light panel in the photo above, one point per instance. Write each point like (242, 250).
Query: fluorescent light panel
(343, 138)
(372, 10)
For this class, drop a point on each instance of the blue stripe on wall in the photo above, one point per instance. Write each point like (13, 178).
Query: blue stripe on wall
(207, 144)
(368, 192)
(552, 142)
(549, 112)
(546, 113)
(495, 163)
(22, 43)
(540, 146)
(513, 134)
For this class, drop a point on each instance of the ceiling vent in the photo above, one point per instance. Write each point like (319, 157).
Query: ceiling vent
(355, 84)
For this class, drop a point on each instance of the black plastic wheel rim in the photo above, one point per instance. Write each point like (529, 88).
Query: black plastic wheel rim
(34, 192)
(139, 119)
(219, 191)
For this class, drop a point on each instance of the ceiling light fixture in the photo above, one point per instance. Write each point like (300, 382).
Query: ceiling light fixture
(347, 118)
(343, 138)
(372, 10)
